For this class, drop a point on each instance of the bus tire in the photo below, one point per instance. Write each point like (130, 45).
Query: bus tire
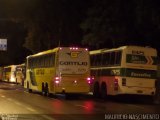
(28, 89)
(103, 91)
(96, 92)
(43, 89)
(46, 90)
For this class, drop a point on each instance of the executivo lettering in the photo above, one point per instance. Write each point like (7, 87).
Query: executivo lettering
(140, 74)
(73, 63)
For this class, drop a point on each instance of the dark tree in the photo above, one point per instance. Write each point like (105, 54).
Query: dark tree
(128, 22)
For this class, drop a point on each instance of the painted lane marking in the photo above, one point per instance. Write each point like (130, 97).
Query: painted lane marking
(30, 109)
(139, 107)
(48, 117)
(18, 103)
(81, 106)
(3, 96)
(25, 92)
(9, 99)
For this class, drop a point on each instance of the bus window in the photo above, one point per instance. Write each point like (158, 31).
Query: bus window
(98, 60)
(112, 59)
(118, 58)
(92, 60)
(105, 57)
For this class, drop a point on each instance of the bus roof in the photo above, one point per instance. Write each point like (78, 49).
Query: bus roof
(51, 51)
(117, 49)
(9, 66)
(44, 52)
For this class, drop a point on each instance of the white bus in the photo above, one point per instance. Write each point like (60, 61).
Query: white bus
(124, 70)
(59, 70)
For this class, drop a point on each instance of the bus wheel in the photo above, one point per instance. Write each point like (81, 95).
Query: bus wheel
(96, 92)
(46, 90)
(103, 91)
(28, 89)
(43, 89)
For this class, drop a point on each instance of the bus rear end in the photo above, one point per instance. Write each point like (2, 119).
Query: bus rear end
(73, 73)
(139, 71)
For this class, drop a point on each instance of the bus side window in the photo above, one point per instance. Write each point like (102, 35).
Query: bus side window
(43, 62)
(118, 58)
(98, 59)
(46, 60)
(109, 58)
(53, 59)
(105, 57)
(93, 60)
(38, 61)
(112, 59)
(49, 60)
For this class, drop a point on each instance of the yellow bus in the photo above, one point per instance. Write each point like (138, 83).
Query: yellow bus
(9, 73)
(59, 70)
(124, 70)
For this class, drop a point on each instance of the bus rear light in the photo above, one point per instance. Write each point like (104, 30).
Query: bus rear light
(123, 81)
(89, 80)
(116, 84)
(57, 80)
(92, 77)
(86, 49)
(73, 48)
(75, 81)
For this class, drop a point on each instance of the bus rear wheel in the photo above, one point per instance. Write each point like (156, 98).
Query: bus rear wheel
(43, 89)
(96, 92)
(28, 89)
(47, 90)
(103, 91)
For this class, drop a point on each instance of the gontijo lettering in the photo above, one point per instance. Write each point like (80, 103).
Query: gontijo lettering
(73, 63)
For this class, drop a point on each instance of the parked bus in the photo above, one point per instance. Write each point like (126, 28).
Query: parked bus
(124, 70)
(9, 73)
(59, 70)
(20, 73)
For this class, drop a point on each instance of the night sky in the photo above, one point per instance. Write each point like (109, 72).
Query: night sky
(31, 26)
